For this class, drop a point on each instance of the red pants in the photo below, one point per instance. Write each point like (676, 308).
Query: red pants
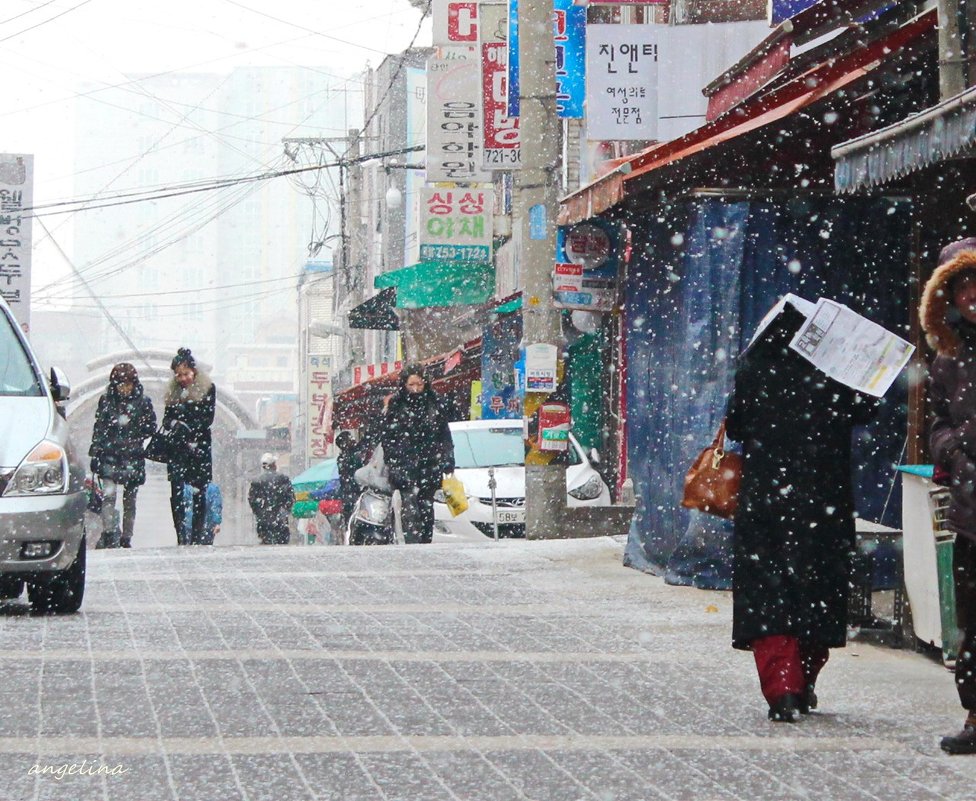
(787, 665)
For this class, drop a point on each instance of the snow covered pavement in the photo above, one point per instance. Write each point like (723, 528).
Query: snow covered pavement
(511, 670)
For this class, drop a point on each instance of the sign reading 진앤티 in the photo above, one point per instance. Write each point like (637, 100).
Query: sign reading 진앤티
(621, 82)
(456, 224)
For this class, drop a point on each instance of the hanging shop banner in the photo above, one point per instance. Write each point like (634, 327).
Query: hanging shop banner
(585, 275)
(454, 135)
(414, 179)
(456, 224)
(501, 145)
(319, 408)
(454, 22)
(621, 82)
(16, 194)
(569, 38)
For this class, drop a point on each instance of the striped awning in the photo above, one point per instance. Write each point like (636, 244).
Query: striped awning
(945, 131)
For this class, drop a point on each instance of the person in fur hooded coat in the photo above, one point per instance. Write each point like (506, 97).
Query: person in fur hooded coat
(191, 401)
(948, 317)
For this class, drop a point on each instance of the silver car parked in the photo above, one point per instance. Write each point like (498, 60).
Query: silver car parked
(42, 495)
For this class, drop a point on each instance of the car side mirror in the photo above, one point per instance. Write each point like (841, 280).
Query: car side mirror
(594, 456)
(60, 385)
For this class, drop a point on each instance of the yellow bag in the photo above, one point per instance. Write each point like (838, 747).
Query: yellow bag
(457, 501)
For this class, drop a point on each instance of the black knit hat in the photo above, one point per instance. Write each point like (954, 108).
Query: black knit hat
(183, 356)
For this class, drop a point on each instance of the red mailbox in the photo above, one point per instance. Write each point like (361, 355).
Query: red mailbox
(553, 427)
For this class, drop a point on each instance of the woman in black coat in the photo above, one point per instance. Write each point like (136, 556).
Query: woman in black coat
(418, 450)
(794, 528)
(191, 402)
(123, 420)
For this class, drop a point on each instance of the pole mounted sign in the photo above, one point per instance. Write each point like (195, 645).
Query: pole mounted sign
(502, 144)
(456, 224)
(16, 194)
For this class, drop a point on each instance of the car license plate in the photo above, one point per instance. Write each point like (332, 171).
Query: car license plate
(511, 516)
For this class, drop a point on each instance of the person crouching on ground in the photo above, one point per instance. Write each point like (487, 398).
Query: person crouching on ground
(125, 417)
(948, 317)
(191, 402)
(418, 451)
(271, 498)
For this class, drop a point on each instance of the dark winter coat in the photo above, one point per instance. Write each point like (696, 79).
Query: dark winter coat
(794, 528)
(348, 462)
(122, 424)
(271, 498)
(952, 392)
(188, 416)
(416, 439)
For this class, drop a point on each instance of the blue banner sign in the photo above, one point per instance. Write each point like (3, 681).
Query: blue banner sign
(569, 38)
(780, 10)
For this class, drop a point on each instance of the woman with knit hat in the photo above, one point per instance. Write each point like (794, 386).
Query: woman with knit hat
(948, 316)
(124, 418)
(191, 402)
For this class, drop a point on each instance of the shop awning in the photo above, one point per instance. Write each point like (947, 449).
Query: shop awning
(937, 134)
(440, 283)
(803, 90)
(377, 313)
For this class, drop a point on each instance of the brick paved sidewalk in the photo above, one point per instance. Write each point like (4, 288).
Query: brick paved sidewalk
(499, 671)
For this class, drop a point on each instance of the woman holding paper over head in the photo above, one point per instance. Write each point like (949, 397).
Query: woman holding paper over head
(948, 316)
(794, 527)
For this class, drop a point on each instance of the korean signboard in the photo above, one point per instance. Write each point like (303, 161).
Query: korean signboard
(621, 82)
(454, 135)
(455, 22)
(569, 38)
(585, 275)
(456, 224)
(502, 150)
(319, 411)
(16, 194)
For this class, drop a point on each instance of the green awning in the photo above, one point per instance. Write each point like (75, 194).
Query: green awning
(509, 306)
(440, 283)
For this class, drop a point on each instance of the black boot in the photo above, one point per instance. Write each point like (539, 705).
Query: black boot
(785, 708)
(125, 542)
(962, 743)
(808, 700)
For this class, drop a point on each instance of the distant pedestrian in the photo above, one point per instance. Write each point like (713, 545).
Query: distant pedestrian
(794, 527)
(350, 459)
(191, 403)
(948, 316)
(418, 450)
(271, 498)
(213, 514)
(124, 419)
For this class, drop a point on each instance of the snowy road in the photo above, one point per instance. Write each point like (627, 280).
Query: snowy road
(517, 670)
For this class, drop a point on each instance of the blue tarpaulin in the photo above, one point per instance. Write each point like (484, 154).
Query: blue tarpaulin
(707, 273)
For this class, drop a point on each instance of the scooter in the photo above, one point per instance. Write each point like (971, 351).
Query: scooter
(375, 519)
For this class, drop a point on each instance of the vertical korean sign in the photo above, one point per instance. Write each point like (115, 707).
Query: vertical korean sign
(455, 22)
(569, 38)
(456, 224)
(621, 82)
(502, 150)
(454, 137)
(16, 194)
(319, 408)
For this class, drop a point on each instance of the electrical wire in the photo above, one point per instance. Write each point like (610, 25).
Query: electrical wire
(45, 22)
(147, 294)
(25, 13)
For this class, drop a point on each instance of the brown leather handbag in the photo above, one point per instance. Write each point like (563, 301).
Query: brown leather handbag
(712, 483)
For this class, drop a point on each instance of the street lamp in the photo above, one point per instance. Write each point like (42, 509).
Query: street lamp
(394, 197)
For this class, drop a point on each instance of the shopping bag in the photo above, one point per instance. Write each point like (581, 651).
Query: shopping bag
(454, 497)
(712, 483)
(95, 495)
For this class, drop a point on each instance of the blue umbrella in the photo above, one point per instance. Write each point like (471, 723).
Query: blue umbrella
(320, 481)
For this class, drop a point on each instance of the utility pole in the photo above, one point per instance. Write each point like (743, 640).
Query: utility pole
(537, 195)
(952, 50)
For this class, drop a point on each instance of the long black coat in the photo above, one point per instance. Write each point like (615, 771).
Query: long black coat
(121, 425)
(271, 497)
(794, 528)
(417, 444)
(189, 415)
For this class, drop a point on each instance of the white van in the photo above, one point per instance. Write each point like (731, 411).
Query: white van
(42, 495)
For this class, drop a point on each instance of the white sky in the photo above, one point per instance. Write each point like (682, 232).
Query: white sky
(49, 48)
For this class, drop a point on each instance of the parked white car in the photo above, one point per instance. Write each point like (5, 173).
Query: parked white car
(480, 444)
(42, 495)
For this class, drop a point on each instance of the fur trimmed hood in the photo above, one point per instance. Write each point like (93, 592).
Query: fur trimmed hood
(197, 391)
(941, 332)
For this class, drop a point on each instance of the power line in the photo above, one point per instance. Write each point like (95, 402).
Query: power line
(45, 22)
(190, 188)
(188, 291)
(25, 13)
